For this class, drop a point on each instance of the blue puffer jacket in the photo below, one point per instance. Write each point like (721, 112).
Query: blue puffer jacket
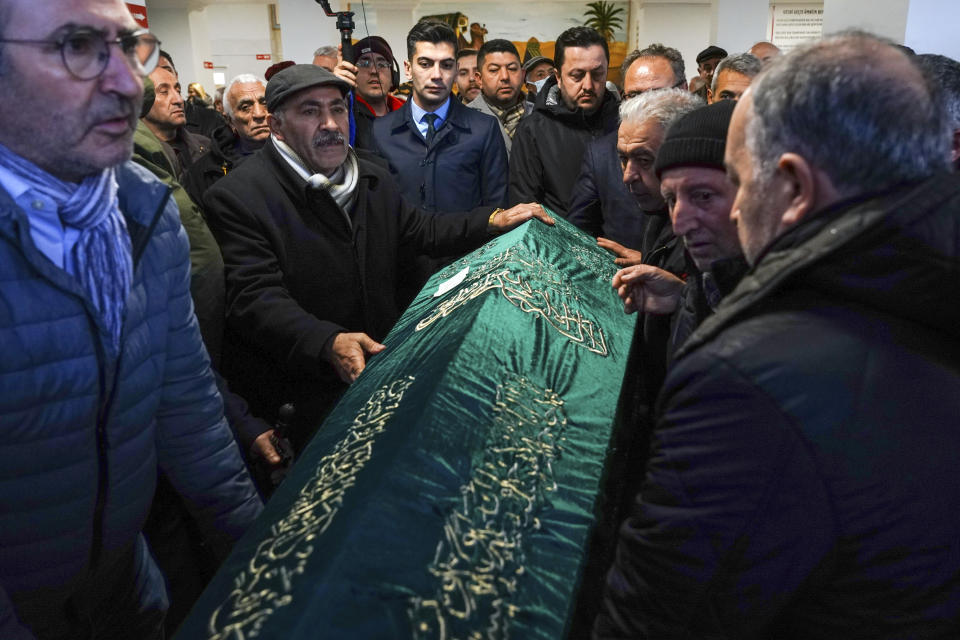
(82, 437)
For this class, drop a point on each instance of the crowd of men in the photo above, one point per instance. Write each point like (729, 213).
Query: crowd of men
(786, 228)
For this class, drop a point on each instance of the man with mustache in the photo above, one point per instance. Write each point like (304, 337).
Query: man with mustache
(311, 236)
(572, 109)
(104, 381)
(245, 109)
(167, 120)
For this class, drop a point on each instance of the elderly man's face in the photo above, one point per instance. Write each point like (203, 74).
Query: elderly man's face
(583, 77)
(754, 211)
(315, 123)
(730, 86)
(699, 200)
(637, 147)
(647, 74)
(249, 111)
(71, 128)
(327, 62)
(500, 78)
(432, 71)
(765, 52)
(540, 71)
(467, 83)
(705, 68)
(167, 113)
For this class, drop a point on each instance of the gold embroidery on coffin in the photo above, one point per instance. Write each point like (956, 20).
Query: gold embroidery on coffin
(506, 272)
(480, 558)
(602, 266)
(267, 583)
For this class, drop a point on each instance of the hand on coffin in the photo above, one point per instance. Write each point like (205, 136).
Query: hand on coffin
(625, 257)
(348, 354)
(262, 448)
(648, 289)
(505, 219)
(346, 71)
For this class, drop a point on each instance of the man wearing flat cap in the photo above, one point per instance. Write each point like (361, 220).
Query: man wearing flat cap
(707, 61)
(310, 235)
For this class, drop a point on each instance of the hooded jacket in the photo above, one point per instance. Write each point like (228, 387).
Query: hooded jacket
(549, 144)
(803, 480)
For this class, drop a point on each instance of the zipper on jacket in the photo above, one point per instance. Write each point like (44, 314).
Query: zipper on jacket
(103, 445)
(103, 471)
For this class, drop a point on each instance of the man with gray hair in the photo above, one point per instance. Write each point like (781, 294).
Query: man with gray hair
(326, 57)
(732, 77)
(643, 122)
(245, 109)
(803, 480)
(945, 73)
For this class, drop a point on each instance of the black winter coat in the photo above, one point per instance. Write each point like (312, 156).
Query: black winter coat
(464, 167)
(803, 480)
(224, 155)
(297, 273)
(600, 203)
(548, 148)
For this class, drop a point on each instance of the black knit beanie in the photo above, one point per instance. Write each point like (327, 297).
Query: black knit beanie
(697, 139)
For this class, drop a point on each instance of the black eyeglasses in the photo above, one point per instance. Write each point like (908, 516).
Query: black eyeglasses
(86, 52)
(363, 63)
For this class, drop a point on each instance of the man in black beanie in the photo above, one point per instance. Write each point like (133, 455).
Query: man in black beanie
(699, 197)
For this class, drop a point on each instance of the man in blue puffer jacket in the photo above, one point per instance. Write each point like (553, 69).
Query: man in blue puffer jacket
(103, 376)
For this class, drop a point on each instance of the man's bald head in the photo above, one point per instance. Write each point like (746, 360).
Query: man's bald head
(765, 52)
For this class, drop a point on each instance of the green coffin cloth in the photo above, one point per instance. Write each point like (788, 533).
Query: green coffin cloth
(452, 491)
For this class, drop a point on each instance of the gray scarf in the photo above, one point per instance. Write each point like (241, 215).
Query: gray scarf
(101, 259)
(342, 185)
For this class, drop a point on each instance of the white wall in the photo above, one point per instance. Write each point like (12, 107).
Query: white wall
(172, 26)
(925, 31)
(683, 26)
(884, 17)
(738, 24)
(237, 33)
(305, 28)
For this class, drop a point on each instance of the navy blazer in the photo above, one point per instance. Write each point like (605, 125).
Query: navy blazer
(465, 166)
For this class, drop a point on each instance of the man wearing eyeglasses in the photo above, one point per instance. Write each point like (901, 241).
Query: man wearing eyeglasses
(103, 379)
(373, 77)
(601, 204)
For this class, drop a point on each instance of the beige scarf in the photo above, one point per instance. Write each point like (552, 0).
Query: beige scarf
(341, 185)
(510, 117)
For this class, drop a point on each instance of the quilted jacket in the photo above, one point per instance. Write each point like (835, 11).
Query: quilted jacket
(84, 435)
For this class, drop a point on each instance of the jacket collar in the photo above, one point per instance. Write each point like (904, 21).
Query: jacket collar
(142, 199)
(457, 118)
(890, 251)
